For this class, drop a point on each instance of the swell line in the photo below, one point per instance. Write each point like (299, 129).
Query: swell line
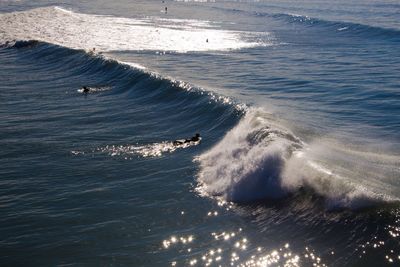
(350, 28)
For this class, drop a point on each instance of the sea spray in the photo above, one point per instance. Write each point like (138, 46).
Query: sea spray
(247, 164)
(259, 159)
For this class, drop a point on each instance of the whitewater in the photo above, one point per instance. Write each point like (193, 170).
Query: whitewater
(298, 108)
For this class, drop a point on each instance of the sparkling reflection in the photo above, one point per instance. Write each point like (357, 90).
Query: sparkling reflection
(233, 248)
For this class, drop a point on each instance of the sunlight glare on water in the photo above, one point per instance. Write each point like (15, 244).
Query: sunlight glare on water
(108, 33)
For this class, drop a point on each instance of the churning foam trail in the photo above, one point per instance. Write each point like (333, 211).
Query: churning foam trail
(108, 33)
(259, 159)
(150, 150)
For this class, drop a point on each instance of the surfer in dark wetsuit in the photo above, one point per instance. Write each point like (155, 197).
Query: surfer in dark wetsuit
(85, 89)
(195, 138)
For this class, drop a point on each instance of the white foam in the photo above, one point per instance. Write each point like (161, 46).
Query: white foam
(108, 33)
(95, 89)
(343, 28)
(133, 65)
(247, 163)
(63, 10)
(149, 150)
(259, 159)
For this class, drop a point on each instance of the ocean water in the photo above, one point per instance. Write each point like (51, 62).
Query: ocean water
(297, 103)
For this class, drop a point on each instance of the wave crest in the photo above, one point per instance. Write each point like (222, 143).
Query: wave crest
(259, 159)
(247, 163)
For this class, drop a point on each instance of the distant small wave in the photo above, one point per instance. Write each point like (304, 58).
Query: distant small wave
(354, 29)
(343, 27)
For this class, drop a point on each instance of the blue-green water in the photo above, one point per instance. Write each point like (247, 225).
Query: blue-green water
(297, 104)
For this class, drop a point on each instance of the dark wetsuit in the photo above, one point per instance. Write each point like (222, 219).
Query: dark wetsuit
(195, 138)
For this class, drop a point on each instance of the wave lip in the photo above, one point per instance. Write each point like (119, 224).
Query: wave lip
(259, 159)
(247, 163)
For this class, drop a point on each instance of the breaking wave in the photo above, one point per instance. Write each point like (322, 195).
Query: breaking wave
(259, 159)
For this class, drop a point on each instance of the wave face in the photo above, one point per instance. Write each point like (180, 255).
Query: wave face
(107, 33)
(258, 159)
(159, 102)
